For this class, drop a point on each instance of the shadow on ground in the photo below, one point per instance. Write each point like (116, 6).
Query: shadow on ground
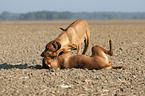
(19, 66)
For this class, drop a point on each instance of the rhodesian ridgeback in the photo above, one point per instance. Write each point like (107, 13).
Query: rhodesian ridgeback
(98, 60)
(70, 38)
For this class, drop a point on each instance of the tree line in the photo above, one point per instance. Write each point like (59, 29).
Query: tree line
(54, 15)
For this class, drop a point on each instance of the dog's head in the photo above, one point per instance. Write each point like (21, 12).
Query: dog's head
(50, 63)
(46, 63)
(51, 49)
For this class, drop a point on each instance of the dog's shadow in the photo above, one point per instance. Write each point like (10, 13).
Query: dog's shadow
(19, 66)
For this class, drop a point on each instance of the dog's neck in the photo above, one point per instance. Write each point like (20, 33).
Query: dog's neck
(62, 58)
(59, 61)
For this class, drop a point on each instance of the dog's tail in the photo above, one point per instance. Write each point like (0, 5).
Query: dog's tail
(63, 29)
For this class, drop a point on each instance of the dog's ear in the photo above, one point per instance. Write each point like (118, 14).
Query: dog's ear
(59, 45)
(56, 45)
(63, 29)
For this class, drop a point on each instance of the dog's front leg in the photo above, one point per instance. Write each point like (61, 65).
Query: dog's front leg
(79, 49)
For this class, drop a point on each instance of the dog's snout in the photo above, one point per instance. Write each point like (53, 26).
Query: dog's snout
(42, 54)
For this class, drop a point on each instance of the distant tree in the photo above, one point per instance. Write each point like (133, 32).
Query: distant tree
(53, 15)
(46, 15)
(5, 15)
(65, 15)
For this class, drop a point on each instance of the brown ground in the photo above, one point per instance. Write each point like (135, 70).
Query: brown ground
(21, 44)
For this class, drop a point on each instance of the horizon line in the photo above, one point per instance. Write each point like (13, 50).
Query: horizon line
(76, 11)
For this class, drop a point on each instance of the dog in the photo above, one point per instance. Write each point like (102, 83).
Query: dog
(70, 39)
(98, 60)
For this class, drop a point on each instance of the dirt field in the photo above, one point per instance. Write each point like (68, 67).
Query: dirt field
(21, 44)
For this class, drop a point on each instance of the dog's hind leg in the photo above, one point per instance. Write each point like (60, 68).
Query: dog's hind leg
(115, 67)
(86, 46)
(119, 67)
(98, 50)
(87, 41)
(110, 52)
(100, 54)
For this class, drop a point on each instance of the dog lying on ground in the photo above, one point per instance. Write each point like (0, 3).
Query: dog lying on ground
(70, 38)
(98, 60)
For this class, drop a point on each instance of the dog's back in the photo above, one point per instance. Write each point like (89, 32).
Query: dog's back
(74, 35)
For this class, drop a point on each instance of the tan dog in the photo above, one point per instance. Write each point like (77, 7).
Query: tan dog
(70, 38)
(98, 60)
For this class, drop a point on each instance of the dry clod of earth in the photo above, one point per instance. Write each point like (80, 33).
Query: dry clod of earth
(21, 44)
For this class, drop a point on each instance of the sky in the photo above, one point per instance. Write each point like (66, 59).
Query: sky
(23, 6)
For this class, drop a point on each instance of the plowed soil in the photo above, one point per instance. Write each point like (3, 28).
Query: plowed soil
(21, 44)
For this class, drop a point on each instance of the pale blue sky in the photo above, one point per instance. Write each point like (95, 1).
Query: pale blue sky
(21, 6)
